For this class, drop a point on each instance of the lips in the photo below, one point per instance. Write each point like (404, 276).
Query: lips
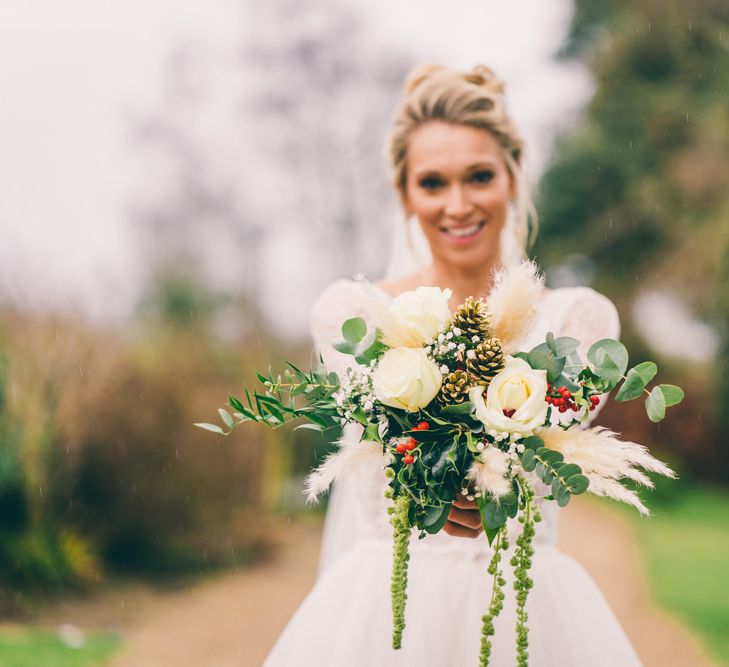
(463, 232)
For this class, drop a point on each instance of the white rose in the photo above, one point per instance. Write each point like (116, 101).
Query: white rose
(406, 379)
(514, 399)
(417, 316)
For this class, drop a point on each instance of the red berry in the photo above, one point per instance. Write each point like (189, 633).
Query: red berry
(563, 408)
(592, 407)
(562, 389)
(400, 449)
(548, 399)
(411, 444)
(566, 394)
(408, 459)
(595, 399)
(422, 426)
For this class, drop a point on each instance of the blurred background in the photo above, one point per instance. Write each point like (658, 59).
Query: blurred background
(180, 180)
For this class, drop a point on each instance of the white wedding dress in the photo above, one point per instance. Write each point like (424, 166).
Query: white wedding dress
(345, 621)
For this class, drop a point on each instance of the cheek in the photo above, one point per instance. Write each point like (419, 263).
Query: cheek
(426, 207)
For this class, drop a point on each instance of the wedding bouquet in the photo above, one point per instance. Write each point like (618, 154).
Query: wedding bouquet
(452, 406)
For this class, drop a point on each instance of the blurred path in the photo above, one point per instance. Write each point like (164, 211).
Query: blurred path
(610, 555)
(233, 620)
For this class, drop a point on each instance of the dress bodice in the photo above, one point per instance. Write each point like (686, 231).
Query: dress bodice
(357, 510)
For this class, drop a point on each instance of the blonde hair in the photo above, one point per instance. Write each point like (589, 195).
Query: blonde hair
(474, 98)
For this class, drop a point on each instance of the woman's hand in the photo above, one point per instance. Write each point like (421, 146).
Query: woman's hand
(464, 519)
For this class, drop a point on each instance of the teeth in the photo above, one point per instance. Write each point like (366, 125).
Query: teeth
(463, 231)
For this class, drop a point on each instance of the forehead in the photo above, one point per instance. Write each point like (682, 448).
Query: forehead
(449, 147)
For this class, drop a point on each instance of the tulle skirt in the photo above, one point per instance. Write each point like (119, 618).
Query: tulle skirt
(346, 621)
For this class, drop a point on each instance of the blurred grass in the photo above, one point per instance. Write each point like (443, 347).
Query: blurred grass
(32, 648)
(685, 545)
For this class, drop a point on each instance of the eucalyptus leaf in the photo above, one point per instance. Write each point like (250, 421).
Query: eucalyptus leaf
(551, 344)
(354, 330)
(532, 442)
(541, 360)
(647, 371)
(610, 359)
(529, 460)
(344, 346)
(566, 345)
(672, 394)
(577, 484)
(569, 469)
(632, 388)
(655, 405)
(562, 496)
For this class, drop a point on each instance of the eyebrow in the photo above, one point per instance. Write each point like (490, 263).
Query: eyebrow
(476, 165)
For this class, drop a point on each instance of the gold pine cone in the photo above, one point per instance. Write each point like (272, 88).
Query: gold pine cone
(488, 360)
(472, 318)
(455, 388)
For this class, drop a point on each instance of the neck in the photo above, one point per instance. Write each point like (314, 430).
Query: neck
(464, 281)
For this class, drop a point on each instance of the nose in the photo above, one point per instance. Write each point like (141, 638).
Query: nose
(458, 205)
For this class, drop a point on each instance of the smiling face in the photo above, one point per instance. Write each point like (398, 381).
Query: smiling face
(459, 188)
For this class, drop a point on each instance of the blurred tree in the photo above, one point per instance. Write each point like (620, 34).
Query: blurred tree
(638, 185)
(270, 144)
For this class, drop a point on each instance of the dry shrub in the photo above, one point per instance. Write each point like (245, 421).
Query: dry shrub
(100, 461)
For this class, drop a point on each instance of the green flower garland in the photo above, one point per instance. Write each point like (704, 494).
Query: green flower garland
(522, 562)
(399, 583)
(497, 596)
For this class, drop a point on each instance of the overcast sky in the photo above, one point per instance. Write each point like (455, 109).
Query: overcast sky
(73, 73)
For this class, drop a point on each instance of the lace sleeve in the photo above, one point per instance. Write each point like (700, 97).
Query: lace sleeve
(589, 317)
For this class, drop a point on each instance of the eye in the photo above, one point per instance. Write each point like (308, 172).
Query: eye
(430, 183)
(482, 176)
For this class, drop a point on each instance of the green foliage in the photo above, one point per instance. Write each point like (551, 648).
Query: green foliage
(565, 479)
(687, 576)
(99, 469)
(636, 190)
(400, 521)
(277, 405)
(33, 648)
(496, 604)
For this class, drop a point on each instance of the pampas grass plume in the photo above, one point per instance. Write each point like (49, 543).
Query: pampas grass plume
(605, 460)
(349, 458)
(488, 474)
(513, 303)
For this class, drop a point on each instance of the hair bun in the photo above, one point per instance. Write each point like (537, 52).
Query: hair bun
(419, 74)
(485, 76)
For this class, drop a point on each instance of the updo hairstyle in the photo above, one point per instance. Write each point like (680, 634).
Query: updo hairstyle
(474, 98)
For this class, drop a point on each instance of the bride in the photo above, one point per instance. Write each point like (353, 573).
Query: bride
(457, 165)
